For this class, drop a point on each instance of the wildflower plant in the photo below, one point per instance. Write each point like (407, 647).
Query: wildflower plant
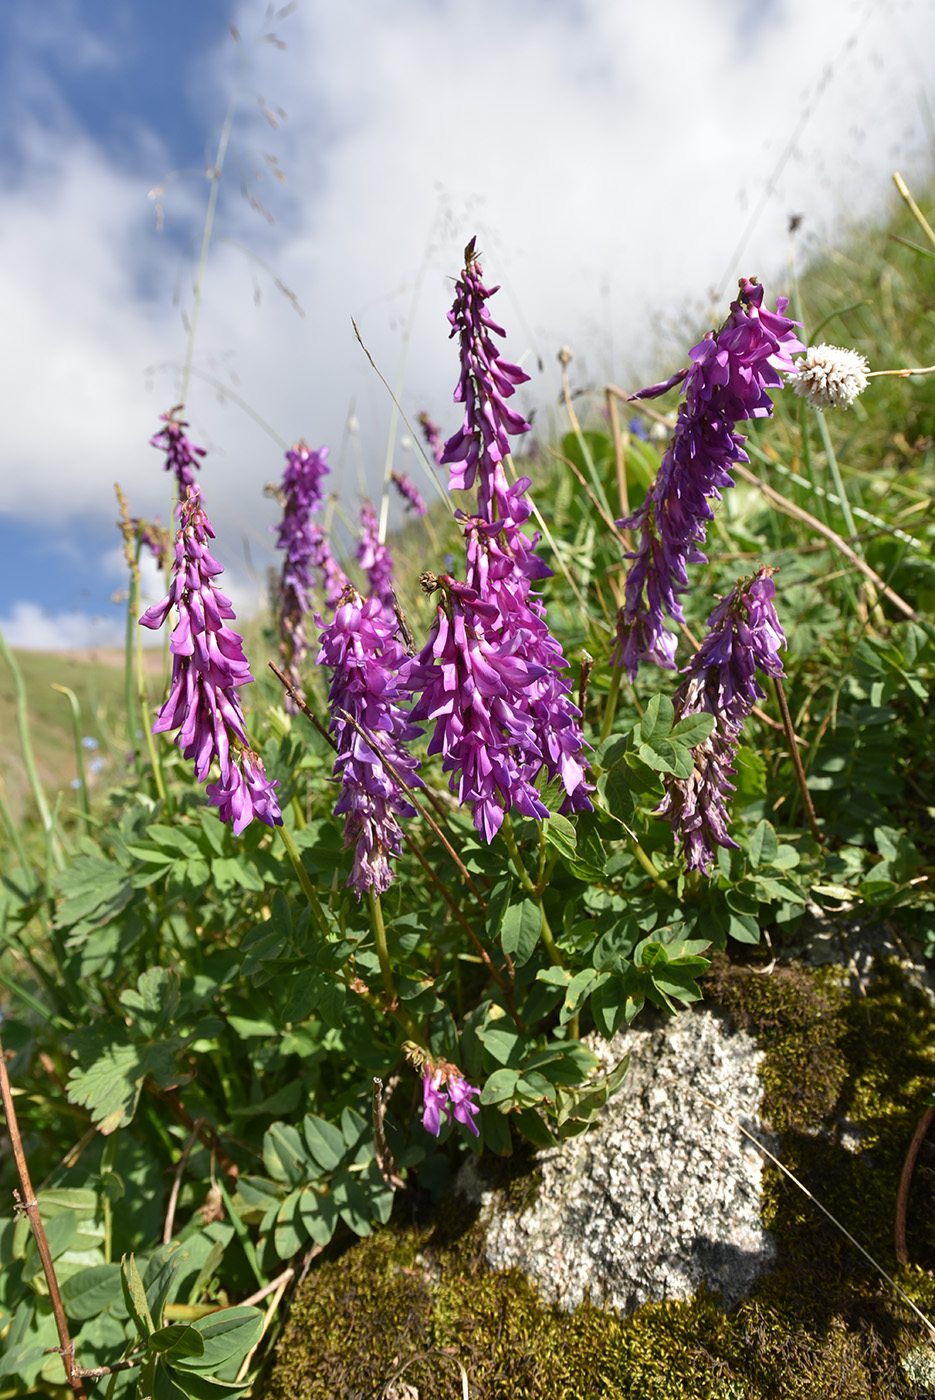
(446, 873)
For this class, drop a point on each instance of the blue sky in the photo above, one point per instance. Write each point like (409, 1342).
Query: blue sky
(619, 179)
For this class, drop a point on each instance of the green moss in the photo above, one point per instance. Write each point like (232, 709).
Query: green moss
(822, 1324)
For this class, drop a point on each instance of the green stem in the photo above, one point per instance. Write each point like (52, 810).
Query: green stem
(383, 952)
(610, 704)
(838, 483)
(509, 837)
(647, 864)
(307, 887)
(72, 699)
(29, 762)
(130, 698)
(548, 940)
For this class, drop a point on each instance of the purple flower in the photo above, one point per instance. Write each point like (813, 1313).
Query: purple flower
(434, 1100)
(333, 578)
(491, 675)
(433, 437)
(374, 557)
(181, 455)
(208, 666)
(409, 491)
(444, 1089)
(744, 634)
(362, 649)
(469, 681)
(486, 382)
(727, 383)
(462, 1109)
(302, 494)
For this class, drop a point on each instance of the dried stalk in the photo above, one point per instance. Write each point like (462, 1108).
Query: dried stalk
(29, 1205)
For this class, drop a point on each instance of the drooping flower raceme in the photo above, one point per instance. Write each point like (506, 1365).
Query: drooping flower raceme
(445, 1090)
(208, 667)
(491, 674)
(409, 491)
(727, 383)
(365, 657)
(744, 635)
(828, 377)
(433, 437)
(302, 494)
(181, 455)
(374, 557)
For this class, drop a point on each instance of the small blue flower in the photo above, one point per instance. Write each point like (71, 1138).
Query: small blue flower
(88, 743)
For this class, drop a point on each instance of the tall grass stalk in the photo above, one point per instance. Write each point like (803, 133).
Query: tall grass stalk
(72, 699)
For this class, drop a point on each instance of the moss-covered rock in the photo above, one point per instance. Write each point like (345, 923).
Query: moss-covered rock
(845, 1080)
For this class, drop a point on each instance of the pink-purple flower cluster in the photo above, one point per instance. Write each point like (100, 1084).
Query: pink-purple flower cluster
(374, 557)
(491, 675)
(433, 437)
(208, 667)
(365, 657)
(744, 634)
(181, 455)
(297, 536)
(409, 491)
(445, 1090)
(727, 383)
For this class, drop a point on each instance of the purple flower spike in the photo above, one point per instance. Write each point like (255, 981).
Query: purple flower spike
(409, 491)
(433, 437)
(362, 649)
(492, 675)
(181, 455)
(486, 382)
(208, 667)
(333, 578)
(374, 557)
(445, 1090)
(302, 494)
(744, 634)
(728, 380)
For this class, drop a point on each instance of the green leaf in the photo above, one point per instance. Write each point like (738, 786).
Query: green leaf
(161, 1272)
(657, 720)
(180, 1339)
(560, 833)
(289, 1231)
(90, 1291)
(744, 928)
(763, 845)
(608, 1005)
(60, 1234)
(110, 1084)
(325, 1141)
(519, 931)
(578, 989)
(502, 1043)
(499, 1086)
(352, 1204)
(284, 1154)
(134, 1295)
(693, 729)
(318, 1214)
(226, 1334)
(533, 1127)
(665, 757)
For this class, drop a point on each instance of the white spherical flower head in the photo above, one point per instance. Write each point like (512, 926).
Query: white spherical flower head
(829, 377)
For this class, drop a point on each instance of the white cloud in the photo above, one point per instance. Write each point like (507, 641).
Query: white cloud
(31, 628)
(611, 162)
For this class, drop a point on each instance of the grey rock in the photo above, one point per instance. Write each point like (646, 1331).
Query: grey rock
(663, 1196)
